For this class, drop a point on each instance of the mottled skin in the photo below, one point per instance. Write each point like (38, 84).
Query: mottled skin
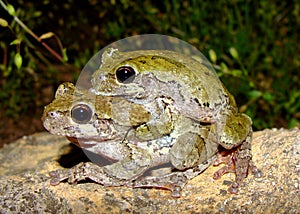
(165, 108)
(191, 88)
(104, 113)
(194, 89)
(133, 137)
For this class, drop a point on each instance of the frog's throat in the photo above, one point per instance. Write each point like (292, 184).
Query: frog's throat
(86, 142)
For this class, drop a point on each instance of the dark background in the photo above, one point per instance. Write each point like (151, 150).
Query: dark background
(264, 76)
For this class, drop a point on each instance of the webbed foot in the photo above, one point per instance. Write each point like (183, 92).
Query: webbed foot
(73, 175)
(238, 161)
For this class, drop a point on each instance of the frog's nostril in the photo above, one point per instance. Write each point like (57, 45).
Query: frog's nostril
(52, 114)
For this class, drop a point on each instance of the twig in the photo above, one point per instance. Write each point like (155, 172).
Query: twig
(53, 52)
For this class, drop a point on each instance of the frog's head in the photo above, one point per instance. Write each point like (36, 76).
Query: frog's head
(135, 74)
(82, 116)
(74, 116)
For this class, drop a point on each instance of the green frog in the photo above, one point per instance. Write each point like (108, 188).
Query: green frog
(133, 138)
(188, 86)
(147, 109)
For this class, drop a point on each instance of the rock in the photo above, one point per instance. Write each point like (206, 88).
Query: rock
(25, 186)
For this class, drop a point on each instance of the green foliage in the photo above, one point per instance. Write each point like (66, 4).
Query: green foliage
(252, 44)
(20, 79)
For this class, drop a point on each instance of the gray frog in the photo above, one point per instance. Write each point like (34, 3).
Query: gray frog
(134, 138)
(192, 89)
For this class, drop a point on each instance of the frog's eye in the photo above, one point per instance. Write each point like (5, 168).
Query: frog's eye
(81, 113)
(125, 74)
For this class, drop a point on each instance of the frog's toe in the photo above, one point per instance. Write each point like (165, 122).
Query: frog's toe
(55, 177)
(176, 192)
(58, 176)
(234, 188)
(174, 188)
(219, 173)
(221, 159)
(229, 167)
(256, 172)
(54, 181)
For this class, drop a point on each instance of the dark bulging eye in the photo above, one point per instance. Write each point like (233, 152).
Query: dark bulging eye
(125, 74)
(81, 113)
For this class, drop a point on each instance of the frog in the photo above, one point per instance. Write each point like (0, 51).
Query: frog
(192, 89)
(133, 138)
(76, 114)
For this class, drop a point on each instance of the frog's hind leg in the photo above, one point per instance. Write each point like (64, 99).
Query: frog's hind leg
(239, 161)
(174, 181)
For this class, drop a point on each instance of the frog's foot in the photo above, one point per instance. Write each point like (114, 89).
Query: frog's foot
(239, 162)
(174, 182)
(73, 175)
(59, 175)
(81, 172)
(229, 167)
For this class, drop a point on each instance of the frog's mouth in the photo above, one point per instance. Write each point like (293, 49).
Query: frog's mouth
(86, 142)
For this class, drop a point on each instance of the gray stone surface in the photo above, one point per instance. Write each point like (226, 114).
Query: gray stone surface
(25, 188)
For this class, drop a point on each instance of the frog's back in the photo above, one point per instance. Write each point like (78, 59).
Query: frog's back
(199, 81)
(199, 91)
(201, 78)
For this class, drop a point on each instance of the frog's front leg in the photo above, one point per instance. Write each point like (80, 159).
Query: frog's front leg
(161, 123)
(84, 171)
(117, 174)
(235, 135)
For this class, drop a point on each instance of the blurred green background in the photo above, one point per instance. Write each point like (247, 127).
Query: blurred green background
(254, 46)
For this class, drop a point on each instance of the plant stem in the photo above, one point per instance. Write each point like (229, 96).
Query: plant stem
(53, 52)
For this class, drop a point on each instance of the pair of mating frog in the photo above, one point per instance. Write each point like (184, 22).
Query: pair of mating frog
(151, 108)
